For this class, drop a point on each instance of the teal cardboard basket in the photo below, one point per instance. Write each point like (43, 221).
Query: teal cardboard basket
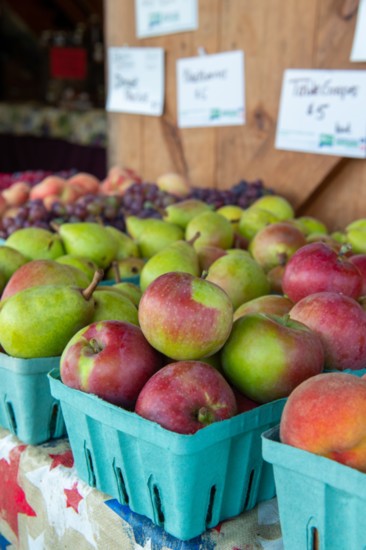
(321, 502)
(27, 408)
(109, 282)
(183, 483)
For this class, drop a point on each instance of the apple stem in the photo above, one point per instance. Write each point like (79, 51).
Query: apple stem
(345, 248)
(96, 347)
(282, 258)
(97, 277)
(205, 416)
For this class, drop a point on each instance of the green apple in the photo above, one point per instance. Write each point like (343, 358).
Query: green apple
(267, 356)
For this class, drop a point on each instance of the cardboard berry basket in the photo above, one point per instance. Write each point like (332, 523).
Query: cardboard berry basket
(110, 282)
(27, 407)
(183, 483)
(321, 502)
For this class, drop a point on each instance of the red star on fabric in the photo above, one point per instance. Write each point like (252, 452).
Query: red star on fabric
(73, 497)
(13, 500)
(64, 459)
(218, 527)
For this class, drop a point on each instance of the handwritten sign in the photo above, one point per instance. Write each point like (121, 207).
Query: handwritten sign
(136, 80)
(157, 17)
(358, 52)
(210, 90)
(323, 111)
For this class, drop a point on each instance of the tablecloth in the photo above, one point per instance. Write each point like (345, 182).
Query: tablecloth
(44, 506)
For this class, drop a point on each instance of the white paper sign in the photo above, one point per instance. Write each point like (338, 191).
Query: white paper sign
(136, 80)
(210, 90)
(323, 111)
(358, 52)
(157, 17)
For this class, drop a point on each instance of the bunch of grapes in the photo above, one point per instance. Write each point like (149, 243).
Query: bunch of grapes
(146, 200)
(242, 194)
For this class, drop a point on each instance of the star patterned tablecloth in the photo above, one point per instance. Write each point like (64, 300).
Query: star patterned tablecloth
(44, 505)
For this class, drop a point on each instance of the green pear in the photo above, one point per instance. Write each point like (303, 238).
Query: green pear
(112, 305)
(357, 238)
(44, 272)
(90, 240)
(279, 206)
(357, 224)
(36, 243)
(179, 256)
(240, 276)
(132, 291)
(39, 321)
(339, 236)
(2, 282)
(135, 226)
(10, 261)
(84, 264)
(182, 212)
(231, 212)
(253, 219)
(125, 269)
(127, 247)
(309, 225)
(157, 235)
(213, 229)
(208, 254)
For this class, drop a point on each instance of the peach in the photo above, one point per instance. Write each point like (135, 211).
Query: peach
(173, 183)
(326, 415)
(89, 183)
(3, 205)
(17, 194)
(51, 185)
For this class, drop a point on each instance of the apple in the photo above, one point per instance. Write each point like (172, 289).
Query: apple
(274, 277)
(275, 243)
(186, 396)
(269, 303)
(359, 260)
(340, 322)
(173, 183)
(316, 267)
(111, 359)
(326, 415)
(267, 356)
(185, 317)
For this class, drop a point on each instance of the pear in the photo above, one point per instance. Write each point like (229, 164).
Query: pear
(179, 256)
(253, 219)
(36, 243)
(156, 235)
(10, 261)
(44, 272)
(125, 269)
(182, 212)
(90, 240)
(214, 230)
(2, 282)
(39, 321)
(279, 206)
(84, 264)
(231, 212)
(112, 305)
(208, 254)
(132, 291)
(240, 276)
(135, 226)
(127, 246)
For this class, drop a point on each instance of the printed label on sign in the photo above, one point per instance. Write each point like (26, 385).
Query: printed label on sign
(358, 52)
(210, 90)
(323, 111)
(136, 81)
(157, 17)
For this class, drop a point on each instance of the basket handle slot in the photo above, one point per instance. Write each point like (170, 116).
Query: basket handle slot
(314, 539)
(90, 466)
(210, 505)
(157, 506)
(121, 485)
(11, 417)
(54, 420)
(249, 489)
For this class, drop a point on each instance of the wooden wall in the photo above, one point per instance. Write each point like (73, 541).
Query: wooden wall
(275, 35)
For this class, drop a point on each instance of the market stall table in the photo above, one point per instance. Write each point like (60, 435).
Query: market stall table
(43, 505)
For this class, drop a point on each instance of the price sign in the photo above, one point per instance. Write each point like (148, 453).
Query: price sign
(359, 42)
(157, 17)
(136, 80)
(210, 90)
(323, 111)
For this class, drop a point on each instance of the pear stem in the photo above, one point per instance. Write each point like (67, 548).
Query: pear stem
(117, 275)
(97, 277)
(55, 226)
(194, 238)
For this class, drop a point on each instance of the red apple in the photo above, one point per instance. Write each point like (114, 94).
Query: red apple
(267, 356)
(315, 268)
(359, 260)
(185, 317)
(111, 359)
(186, 396)
(275, 243)
(340, 322)
(326, 415)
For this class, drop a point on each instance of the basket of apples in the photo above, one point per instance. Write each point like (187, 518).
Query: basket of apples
(153, 423)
